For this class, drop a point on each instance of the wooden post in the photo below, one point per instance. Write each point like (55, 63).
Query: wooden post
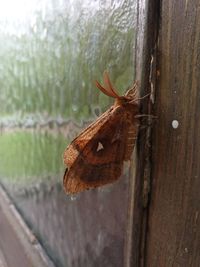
(173, 232)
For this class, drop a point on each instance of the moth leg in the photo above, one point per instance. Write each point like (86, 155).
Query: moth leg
(133, 92)
(140, 98)
(147, 123)
(145, 115)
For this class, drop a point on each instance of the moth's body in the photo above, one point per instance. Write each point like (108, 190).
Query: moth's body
(96, 156)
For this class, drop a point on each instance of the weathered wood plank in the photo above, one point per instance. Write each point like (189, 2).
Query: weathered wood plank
(174, 215)
(18, 246)
(148, 17)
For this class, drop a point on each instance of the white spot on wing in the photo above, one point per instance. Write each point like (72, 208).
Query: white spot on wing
(100, 146)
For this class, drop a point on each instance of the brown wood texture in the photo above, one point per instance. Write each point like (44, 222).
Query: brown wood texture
(10, 247)
(173, 235)
(148, 16)
(18, 245)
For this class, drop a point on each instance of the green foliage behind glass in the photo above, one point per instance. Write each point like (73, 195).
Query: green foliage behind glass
(52, 66)
(26, 156)
(48, 70)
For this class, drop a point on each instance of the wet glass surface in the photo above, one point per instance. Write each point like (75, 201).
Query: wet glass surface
(51, 52)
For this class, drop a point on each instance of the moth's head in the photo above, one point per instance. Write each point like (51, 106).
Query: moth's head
(129, 98)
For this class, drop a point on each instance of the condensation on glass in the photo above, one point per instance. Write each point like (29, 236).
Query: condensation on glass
(51, 52)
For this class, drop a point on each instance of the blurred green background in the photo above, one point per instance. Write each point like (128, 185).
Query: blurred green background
(48, 64)
(51, 52)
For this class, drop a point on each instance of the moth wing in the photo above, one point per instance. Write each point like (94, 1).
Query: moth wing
(98, 153)
(71, 153)
(130, 137)
(133, 92)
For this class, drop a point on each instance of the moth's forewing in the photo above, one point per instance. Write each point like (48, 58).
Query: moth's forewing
(89, 166)
(71, 154)
(93, 167)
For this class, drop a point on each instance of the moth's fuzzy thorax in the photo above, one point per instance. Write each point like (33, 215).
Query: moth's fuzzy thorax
(127, 102)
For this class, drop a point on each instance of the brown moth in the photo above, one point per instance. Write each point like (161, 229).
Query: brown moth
(95, 157)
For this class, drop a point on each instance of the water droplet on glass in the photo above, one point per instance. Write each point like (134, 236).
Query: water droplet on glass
(73, 197)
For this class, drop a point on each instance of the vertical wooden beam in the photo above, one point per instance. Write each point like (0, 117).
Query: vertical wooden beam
(148, 17)
(173, 237)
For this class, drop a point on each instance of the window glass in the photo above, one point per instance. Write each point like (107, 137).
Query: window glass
(51, 52)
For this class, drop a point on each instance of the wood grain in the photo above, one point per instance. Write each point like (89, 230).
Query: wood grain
(173, 237)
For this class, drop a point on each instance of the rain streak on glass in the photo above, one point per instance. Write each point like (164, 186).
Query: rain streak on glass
(51, 52)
